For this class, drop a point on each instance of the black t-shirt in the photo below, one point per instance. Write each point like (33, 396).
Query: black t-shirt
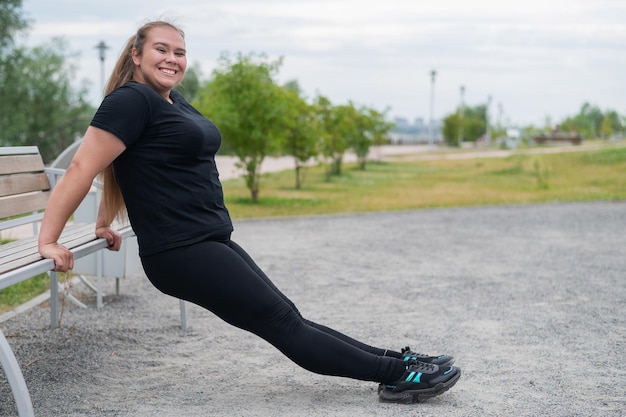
(167, 174)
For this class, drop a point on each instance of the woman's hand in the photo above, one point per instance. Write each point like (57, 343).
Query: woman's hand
(112, 236)
(62, 257)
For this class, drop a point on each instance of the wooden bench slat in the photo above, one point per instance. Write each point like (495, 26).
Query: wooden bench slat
(11, 248)
(28, 243)
(12, 164)
(19, 150)
(24, 203)
(23, 252)
(70, 232)
(23, 183)
(29, 259)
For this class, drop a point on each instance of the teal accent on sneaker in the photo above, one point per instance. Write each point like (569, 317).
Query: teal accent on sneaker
(414, 377)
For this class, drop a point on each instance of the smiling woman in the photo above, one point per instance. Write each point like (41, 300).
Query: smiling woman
(158, 153)
(162, 61)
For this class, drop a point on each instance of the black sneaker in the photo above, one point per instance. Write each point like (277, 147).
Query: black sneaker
(410, 356)
(440, 360)
(419, 382)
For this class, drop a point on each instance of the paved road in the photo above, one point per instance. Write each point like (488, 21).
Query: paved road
(531, 299)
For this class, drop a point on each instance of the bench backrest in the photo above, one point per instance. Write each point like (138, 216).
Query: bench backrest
(24, 186)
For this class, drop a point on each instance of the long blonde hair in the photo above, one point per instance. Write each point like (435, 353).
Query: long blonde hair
(114, 206)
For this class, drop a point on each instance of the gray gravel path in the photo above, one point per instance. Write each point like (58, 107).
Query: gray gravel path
(531, 300)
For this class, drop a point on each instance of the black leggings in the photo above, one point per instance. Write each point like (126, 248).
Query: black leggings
(221, 277)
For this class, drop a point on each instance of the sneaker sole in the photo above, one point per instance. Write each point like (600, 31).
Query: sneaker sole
(381, 386)
(417, 396)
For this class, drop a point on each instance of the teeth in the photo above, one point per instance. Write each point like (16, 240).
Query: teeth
(168, 71)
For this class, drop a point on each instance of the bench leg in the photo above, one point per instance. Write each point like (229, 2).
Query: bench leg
(54, 300)
(15, 378)
(67, 295)
(99, 268)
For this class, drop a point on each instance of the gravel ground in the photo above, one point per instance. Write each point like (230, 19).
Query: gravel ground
(530, 299)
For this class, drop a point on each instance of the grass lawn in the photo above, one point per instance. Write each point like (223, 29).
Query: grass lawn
(522, 178)
(23, 291)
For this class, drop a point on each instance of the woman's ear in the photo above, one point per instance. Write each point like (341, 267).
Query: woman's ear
(135, 55)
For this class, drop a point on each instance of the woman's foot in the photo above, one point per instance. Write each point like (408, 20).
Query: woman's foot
(419, 382)
(409, 356)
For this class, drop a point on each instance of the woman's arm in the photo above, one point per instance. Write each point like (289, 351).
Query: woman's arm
(98, 149)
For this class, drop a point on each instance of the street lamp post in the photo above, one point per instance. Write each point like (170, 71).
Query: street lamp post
(431, 129)
(102, 47)
(461, 121)
(488, 131)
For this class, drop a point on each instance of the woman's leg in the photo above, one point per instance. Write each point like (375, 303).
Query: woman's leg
(215, 276)
(367, 348)
(406, 352)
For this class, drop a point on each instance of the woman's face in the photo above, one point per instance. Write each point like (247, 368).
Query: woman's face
(163, 61)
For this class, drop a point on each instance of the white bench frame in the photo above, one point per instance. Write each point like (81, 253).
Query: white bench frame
(33, 265)
(7, 358)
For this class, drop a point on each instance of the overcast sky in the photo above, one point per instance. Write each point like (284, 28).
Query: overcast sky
(535, 58)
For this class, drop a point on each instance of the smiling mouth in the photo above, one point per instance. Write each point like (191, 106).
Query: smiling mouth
(167, 71)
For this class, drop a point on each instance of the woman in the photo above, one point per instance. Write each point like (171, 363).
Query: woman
(157, 153)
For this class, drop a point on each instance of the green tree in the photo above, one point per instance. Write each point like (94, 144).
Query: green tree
(474, 125)
(11, 22)
(249, 108)
(301, 130)
(611, 124)
(335, 123)
(350, 128)
(606, 127)
(451, 128)
(39, 105)
(380, 127)
(371, 129)
(587, 122)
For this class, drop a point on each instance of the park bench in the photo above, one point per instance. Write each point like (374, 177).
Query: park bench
(25, 185)
(558, 137)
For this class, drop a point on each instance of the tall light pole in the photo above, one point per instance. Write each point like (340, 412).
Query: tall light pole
(488, 131)
(461, 120)
(102, 47)
(431, 139)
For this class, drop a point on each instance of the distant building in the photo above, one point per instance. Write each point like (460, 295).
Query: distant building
(405, 133)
